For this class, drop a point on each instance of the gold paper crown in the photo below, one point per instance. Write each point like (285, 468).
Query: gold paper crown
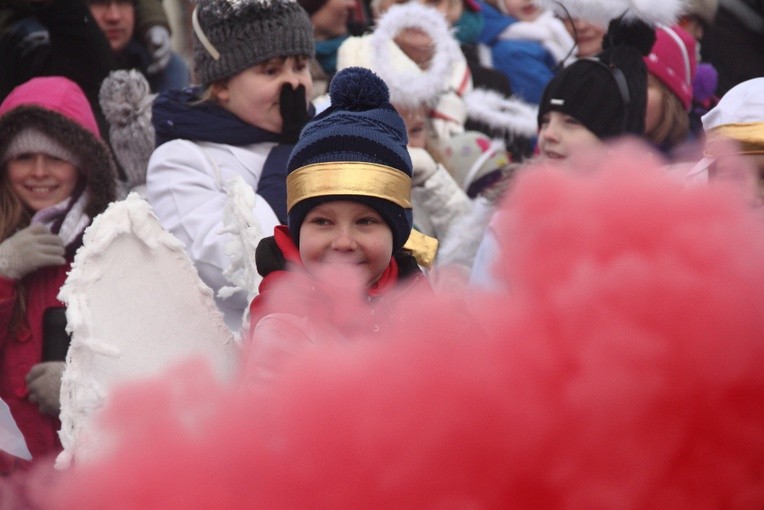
(749, 135)
(349, 178)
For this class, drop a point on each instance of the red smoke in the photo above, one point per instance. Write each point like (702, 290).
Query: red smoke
(622, 369)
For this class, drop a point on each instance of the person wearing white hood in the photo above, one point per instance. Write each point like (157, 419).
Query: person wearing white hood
(735, 134)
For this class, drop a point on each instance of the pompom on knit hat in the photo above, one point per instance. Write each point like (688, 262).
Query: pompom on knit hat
(607, 93)
(673, 61)
(354, 150)
(126, 99)
(233, 35)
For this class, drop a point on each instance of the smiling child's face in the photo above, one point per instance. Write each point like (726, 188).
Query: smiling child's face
(560, 135)
(347, 235)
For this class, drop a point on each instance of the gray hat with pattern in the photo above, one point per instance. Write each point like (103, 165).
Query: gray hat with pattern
(232, 35)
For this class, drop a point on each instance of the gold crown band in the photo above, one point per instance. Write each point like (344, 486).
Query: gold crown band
(750, 137)
(349, 178)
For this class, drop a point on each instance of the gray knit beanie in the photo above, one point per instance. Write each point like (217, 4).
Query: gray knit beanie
(232, 35)
(31, 141)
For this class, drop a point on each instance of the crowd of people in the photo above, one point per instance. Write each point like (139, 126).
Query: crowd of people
(379, 139)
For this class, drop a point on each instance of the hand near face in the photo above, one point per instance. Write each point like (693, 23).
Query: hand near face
(417, 45)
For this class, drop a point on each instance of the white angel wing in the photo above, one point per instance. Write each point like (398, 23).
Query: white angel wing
(246, 232)
(135, 305)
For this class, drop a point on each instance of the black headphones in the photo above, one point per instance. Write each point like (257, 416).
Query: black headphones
(623, 87)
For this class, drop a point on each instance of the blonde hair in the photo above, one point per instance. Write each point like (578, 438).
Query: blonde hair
(14, 216)
(209, 94)
(674, 125)
(13, 213)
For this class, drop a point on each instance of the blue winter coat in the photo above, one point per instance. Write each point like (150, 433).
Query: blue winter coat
(528, 65)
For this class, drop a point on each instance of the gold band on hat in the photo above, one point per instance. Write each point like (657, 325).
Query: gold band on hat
(349, 178)
(749, 135)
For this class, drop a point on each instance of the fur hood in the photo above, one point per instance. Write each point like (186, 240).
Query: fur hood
(70, 130)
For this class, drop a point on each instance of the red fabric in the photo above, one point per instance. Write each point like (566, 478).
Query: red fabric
(670, 62)
(21, 348)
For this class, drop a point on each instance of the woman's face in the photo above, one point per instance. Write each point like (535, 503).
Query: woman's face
(417, 45)
(451, 9)
(331, 19)
(560, 135)
(253, 94)
(523, 10)
(588, 36)
(654, 111)
(40, 180)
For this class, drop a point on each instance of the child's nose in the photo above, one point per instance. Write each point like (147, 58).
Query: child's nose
(344, 241)
(40, 166)
(552, 130)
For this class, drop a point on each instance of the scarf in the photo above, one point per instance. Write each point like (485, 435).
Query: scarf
(67, 219)
(326, 53)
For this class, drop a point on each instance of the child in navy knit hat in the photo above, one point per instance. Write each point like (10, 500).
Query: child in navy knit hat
(349, 207)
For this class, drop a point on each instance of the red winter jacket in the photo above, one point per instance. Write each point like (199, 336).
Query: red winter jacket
(21, 348)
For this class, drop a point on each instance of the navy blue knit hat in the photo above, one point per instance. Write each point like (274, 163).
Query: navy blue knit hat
(354, 150)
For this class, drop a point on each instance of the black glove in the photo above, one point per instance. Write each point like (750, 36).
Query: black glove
(294, 112)
(268, 257)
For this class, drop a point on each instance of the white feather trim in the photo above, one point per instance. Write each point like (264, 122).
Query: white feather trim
(547, 30)
(507, 114)
(602, 11)
(411, 86)
(246, 232)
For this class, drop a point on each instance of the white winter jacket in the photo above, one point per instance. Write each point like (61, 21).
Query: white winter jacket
(185, 184)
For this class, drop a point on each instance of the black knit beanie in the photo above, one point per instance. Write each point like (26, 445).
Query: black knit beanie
(232, 35)
(354, 150)
(607, 93)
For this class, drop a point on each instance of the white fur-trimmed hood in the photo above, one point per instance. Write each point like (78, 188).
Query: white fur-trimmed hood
(652, 12)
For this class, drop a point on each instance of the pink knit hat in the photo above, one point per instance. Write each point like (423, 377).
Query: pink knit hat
(55, 93)
(673, 61)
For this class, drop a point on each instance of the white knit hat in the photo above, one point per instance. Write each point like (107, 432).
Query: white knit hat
(472, 155)
(30, 141)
